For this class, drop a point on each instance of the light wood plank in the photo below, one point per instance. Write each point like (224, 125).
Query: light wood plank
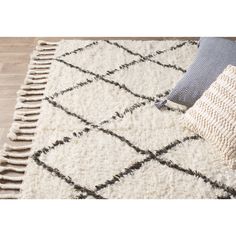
(15, 67)
(17, 40)
(19, 48)
(10, 80)
(14, 57)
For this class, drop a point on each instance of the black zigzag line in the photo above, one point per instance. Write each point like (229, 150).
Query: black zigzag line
(228, 196)
(172, 48)
(168, 65)
(67, 179)
(124, 48)
(100, 77)
(167, 163)
(193, 42)
(76, 86)
(121, 86)
(86, 122)
(131, 109)
(146, 57)
(79, 49)
(88, 81)
(136, 166)
(134, 62)
(67, 139)
(56, 172)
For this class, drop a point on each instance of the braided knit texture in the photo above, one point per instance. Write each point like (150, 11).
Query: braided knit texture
(213, 116)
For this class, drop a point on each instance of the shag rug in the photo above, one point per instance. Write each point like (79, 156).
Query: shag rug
(87, 113)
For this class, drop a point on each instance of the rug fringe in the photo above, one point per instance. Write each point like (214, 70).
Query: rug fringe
(22, 92)
(8, 161)
(15, 154)
(14, 158)
(22, 105)
(32, 88)
(8, 196)
(11, 148)
(11, 169)
(12, 186)
(10, 178)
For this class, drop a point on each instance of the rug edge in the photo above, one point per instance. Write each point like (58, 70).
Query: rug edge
(14, 157)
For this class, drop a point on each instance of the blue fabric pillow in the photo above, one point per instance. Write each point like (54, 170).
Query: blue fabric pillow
(214, 55)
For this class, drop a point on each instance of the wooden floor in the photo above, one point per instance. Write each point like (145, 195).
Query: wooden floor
(14, 59)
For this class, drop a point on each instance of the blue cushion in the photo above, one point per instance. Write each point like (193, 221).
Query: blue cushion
(214, 54)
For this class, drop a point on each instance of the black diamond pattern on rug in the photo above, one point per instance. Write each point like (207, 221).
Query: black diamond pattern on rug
(98, 74)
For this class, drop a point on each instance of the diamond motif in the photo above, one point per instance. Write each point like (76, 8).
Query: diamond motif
(145, 49)
(107, 163)
(152, 78)
(183, 59)
(101, 106)
(150, 182)
(138, 127)
(98, 55)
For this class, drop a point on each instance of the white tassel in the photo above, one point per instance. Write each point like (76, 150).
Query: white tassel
(10, 186)
(40, 72)
(30, 87)
(22, 129)
(39, 67)
(38, 81)
(45, 43)
(16, 154)
(43, 48)
(45, 54)
(4, 161)
(27, 113)
(34, 99)
(9, 196)
(14, 137)
(20, 105)
(25, 138)
(27, 131)
(10, 178)
(27, 126)
(36, 78)
(42, 61)
(8, 147)
(32, 78)
(25, 118)
(15, 127)
(29, 93)
(11, 169)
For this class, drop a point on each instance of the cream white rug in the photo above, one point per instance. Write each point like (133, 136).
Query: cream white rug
(88, 107)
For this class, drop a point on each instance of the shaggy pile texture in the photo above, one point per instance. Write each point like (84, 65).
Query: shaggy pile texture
(97, 132)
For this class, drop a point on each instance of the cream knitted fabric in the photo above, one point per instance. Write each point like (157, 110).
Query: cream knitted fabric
(213, 116)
